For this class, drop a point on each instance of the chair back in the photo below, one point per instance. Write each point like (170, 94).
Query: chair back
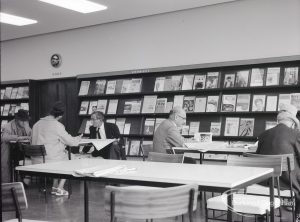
(164, 157)
(13, 197)
(151, 202)
(275, 163)
(33, 151)
(288, 163)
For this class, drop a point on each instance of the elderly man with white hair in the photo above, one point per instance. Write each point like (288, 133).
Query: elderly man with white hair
(284, 139)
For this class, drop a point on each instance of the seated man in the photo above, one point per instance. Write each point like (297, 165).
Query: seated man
(103, 130)
(167, 134)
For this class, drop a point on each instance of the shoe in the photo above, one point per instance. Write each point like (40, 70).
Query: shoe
(61, 192)
(53, 190)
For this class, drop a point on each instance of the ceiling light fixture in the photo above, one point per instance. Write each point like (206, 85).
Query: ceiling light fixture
(15, 20)
(82, 6)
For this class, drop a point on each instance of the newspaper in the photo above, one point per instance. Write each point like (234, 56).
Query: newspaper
(97, 143)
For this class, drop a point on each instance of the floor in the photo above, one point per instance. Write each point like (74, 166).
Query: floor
(63, 209)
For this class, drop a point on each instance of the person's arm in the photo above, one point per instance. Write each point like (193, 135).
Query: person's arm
(297, 149)
(174, 137)
(66, 138)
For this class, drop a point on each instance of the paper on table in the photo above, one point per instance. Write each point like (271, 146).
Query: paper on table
(206, 146)
(98, 143)
(99, 171)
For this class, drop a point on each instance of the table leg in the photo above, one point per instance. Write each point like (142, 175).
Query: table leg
(86, 201)
(272, 214)
(229, 206)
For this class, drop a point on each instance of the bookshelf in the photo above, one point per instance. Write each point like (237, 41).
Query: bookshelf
(14, 96)
(234, 100)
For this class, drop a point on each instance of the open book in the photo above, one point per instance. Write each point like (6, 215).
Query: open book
(98, 143)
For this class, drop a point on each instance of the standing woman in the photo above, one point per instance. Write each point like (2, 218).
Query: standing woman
(16, 130)
(48, 131)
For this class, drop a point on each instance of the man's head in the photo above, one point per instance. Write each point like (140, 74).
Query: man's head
(178, 115)
(287, 115)
(58, 110)
(97, 118)
(22, 117)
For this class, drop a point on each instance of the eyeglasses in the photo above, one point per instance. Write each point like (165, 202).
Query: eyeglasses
(184, 118)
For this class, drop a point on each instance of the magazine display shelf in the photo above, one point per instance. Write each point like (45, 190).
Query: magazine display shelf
(278, 79)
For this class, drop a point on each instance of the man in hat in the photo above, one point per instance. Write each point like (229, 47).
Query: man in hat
(284, 139)
(16, 130)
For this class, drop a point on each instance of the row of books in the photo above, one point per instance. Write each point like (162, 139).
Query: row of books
(9, 92)
(101, 86)
(11, 109)
(229, 103)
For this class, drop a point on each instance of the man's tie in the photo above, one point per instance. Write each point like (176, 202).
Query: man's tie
(98, 133)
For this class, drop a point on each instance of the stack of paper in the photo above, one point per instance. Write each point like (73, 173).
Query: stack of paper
(97, 171)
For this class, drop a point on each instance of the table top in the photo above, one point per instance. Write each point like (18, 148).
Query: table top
(203, 175)
(225, 150)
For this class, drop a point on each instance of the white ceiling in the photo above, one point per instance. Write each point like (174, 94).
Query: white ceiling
(52, 19)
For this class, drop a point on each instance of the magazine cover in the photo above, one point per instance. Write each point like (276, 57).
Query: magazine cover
(212, 104)
(295, 100)
(283, 99)
(159, 84)
(199, 81)
(243, 103)
(215, 128)
(161, 104)
(187, 82)
(242, 78)
(93, 107)
(111, 87)
(290, 76)
(246, 127)
(149, 126)
(84, 88)
(228, 103)
(273, 75)
(100, 87)
(176, 82)
(271, 104)
(84, 107)
(212, 80)
(258, 104)
(257, 77)
(231, 126)
(189, 103)
(200, 104)
(229, 80)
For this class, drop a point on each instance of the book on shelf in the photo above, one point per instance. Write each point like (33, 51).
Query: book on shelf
(159, 84)
(101, 105)
(14, 93)
(290, 76)
(25, 92)
(2, 93)
(7, 92)
(92, 107)
(147, 147)
(215, 128)
(257, 77)
(119, 86)
(228, 103)
(84, 107)
(111, 87)
(176, 82)
(161, 104)
(20, 92)
(132, 106)
(126, 130)
(229, 80)
(120, 122)
(126, 142)
(134, 149)
(149, 104)
(3, 123)
(271, 104)
(135, 85)
(12, 108)
(200, 104)
(149, 126)
(199, 81)
(185, 130)
(194, 127)
(112, 106)
(189, 104)
(168, 83)
(5, 109)
(295, 100)
(231, 126)
(111, 120)
(242, 78)
(212, 104)
(169, 107)
(258, 103)
(125, 85)
(178, 100)
(158, 121)
(243, 103)
(212, 80)
(270, 124)
(100, 87)
(283, 99)
(272, 78)
(24, 106)
(187, 82)
(84, 88)
(246, 127)
(17, 108)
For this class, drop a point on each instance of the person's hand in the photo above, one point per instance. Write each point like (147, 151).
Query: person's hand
(21, 138)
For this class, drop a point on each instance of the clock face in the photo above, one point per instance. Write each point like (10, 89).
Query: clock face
(55, 60)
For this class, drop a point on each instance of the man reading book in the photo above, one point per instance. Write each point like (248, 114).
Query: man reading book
(103, 130)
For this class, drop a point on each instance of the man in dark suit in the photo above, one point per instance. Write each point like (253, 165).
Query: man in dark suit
(103, 130)
(284, 139)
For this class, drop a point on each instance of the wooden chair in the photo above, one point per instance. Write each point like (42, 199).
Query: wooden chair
(288, 165)
(152, 203)
(245, 204)
(164, 157)
(14, 199)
